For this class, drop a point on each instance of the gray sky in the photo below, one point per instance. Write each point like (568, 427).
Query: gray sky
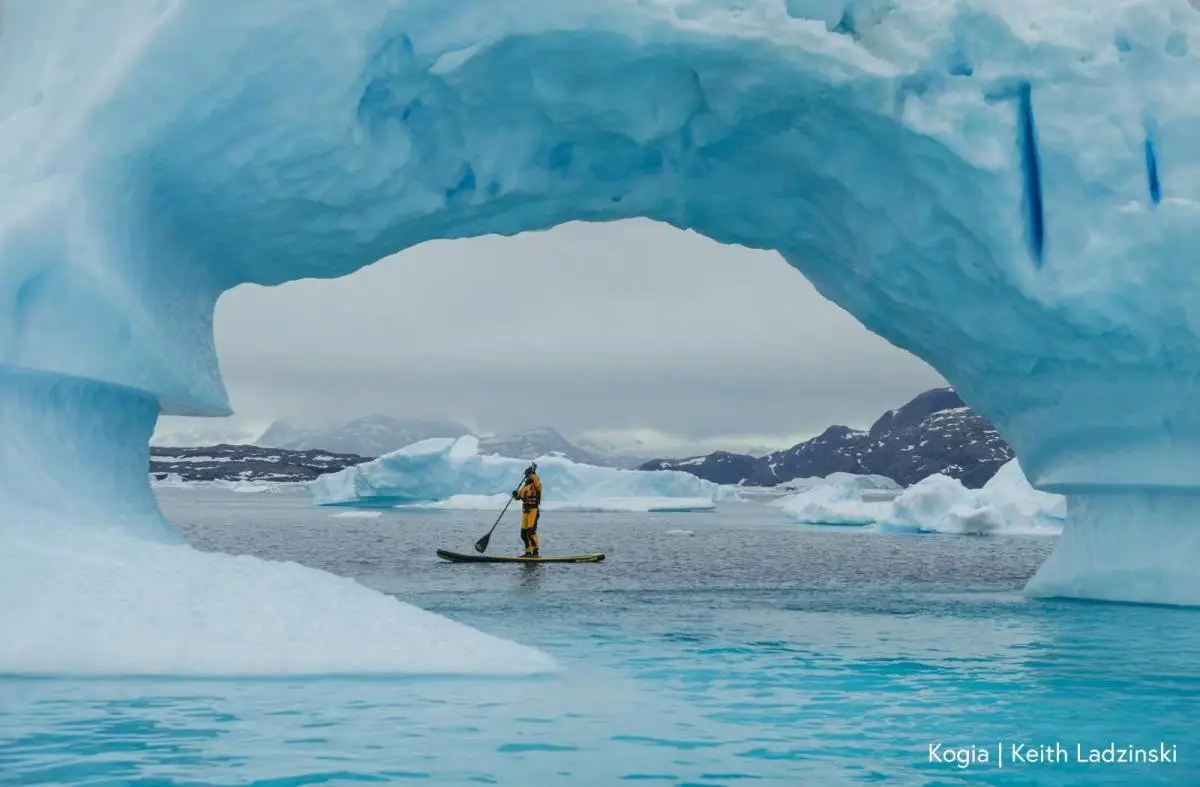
(619, 330)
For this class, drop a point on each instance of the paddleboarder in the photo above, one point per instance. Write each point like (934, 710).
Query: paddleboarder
(530, 495)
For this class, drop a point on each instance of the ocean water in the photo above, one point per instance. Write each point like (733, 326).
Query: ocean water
(744, 650)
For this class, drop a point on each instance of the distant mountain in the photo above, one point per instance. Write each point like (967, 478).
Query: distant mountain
(536, 442)
(720, 467)
(282, 433)
(375, 435)
(370, 436)
(934, 433)
(202, 431)
(245, 463)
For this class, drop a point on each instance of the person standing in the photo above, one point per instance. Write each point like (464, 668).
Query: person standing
(530, 495)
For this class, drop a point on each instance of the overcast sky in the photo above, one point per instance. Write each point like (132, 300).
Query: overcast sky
(601, 330)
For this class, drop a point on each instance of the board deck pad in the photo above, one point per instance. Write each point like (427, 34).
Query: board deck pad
(465, 557)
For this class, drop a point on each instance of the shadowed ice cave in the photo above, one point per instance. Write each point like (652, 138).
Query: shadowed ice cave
(1006, 189)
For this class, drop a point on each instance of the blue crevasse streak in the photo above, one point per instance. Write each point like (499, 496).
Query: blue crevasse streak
(1153, 182)
(1031, 171)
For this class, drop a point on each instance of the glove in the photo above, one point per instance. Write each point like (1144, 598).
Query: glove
(515, 495)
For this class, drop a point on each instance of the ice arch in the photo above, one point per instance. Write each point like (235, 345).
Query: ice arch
(1007, 189)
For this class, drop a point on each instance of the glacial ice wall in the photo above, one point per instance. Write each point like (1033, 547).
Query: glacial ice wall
(1006, 188)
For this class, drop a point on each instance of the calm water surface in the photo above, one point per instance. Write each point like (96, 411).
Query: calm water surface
(743, 650)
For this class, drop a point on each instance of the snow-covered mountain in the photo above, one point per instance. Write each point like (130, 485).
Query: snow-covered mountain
(721, 467)
(369, 436)
(618, 454)
(375, 435)
(181, 431)
(540, 441)
(934, 433)
(270, 464)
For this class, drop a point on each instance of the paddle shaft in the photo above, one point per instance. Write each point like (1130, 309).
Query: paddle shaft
(482, 544)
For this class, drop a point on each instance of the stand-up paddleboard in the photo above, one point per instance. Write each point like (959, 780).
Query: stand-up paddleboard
(460, 557)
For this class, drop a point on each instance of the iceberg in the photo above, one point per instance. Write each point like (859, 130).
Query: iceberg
(1005, 505)
(451, 473)
(857, 481)
(1006, 188)
(832, 504)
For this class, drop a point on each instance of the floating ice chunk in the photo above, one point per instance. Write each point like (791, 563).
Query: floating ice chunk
(927, 503)
(1006, 504)
(851, 480)
(832, 504)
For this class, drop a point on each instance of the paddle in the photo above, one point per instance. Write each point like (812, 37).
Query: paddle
(482, 544)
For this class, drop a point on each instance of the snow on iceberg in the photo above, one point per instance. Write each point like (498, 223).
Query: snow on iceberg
(1008, 189)
(440, 470)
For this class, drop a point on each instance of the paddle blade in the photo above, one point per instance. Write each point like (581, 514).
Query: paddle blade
(482, 544)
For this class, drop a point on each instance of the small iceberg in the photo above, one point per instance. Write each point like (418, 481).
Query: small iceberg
(1006, 504)
(833, 504)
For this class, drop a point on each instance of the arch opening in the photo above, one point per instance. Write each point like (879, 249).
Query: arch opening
(660, 342)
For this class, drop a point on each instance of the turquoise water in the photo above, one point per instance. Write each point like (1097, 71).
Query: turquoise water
(751, 651)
